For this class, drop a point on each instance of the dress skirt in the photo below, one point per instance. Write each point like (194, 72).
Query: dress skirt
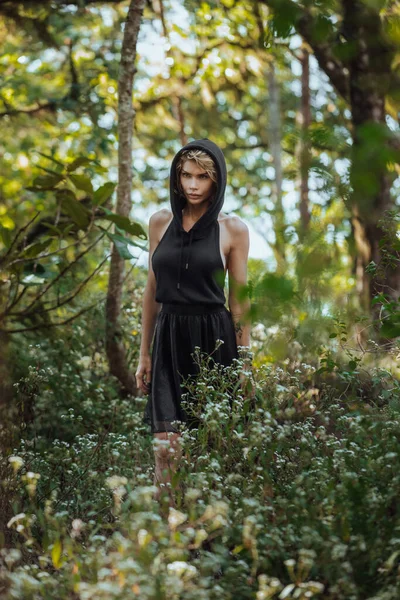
(178, 329)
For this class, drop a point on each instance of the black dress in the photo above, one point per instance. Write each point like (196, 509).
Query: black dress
(191, 292)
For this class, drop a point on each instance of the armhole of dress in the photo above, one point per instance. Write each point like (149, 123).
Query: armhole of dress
(218, 244)
(159, 243)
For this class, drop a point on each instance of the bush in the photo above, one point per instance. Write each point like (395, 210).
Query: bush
(290, 495)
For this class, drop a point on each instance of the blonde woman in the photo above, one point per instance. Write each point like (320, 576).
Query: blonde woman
(184, 300)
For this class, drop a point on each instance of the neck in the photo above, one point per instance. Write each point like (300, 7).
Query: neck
(195, 212)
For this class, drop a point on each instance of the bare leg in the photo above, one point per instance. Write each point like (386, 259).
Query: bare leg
(166, 462)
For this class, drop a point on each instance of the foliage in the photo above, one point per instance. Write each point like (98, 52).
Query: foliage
(290, 495)
(43, 256)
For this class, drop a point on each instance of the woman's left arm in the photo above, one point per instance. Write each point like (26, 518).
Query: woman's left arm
(237, 270)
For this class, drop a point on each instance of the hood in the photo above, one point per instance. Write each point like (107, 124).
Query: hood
(178, 201)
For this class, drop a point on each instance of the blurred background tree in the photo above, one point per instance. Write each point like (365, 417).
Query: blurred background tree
(302, 98)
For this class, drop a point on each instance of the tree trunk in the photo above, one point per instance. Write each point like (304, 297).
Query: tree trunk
(304, 121)
(114, 344)
(275, 141)
(360, 71)
(369, 75)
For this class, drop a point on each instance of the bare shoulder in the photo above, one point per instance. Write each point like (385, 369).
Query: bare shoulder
(160, 217)
(158, 222)
(234, 225)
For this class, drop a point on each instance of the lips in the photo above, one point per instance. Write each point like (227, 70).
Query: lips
(194, 195)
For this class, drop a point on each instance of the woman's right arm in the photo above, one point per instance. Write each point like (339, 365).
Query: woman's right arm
(150, 310)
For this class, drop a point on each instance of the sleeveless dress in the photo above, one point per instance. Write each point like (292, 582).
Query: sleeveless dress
(181, 327)
(190, 277)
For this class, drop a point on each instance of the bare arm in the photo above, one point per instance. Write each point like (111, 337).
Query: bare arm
(237, 269)
(150, 309)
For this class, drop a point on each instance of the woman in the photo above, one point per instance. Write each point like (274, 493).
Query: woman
(190, 248)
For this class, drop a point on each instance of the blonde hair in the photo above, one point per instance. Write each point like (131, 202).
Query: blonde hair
(203, 160)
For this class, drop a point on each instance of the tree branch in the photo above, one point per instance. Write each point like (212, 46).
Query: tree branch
(67, 298)
(306, 25)
(20, 230)
(47, 325)
(61, 274)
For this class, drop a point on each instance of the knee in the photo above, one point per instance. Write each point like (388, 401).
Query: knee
(165, 448)
(161, 453)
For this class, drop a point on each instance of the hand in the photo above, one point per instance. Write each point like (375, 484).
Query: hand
(247, 384)
(143, 373)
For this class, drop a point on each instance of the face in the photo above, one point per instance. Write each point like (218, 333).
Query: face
(197, 185)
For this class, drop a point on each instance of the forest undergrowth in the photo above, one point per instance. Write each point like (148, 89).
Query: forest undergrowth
(292, 493)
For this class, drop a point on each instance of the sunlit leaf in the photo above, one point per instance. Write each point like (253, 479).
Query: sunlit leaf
(33, 279)
(57, 162)
(35, 274)
(49, 170)
(6, 222)
(56, 554)
(6, 236)
(125, 224)
(78, 162)
(103, 193)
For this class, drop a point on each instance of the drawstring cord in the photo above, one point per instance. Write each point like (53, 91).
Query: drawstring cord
(190, 243)
(178, 285)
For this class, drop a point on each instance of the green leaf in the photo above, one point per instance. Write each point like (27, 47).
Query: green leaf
(56, 554)
(5, 235)
(57, 162)
(75, 209)
(125, 224)
(103, 193)
(49, 170)
(62, 230)
(132, 242)
(219, 276)
(36, 248)
(283, 18)
(98, 168)
(33, 188)
(32, 279)
(47, 182)
(391, 327)
(52, 227)
(175, 478)
(35, 274)
(333, 335)
(64, 194)
(82, 182)
(78, 162)
(276, 288)
(352, 365)
(121, 245)
(35, 267)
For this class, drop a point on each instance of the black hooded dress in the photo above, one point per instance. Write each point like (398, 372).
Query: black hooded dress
(188, 268)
